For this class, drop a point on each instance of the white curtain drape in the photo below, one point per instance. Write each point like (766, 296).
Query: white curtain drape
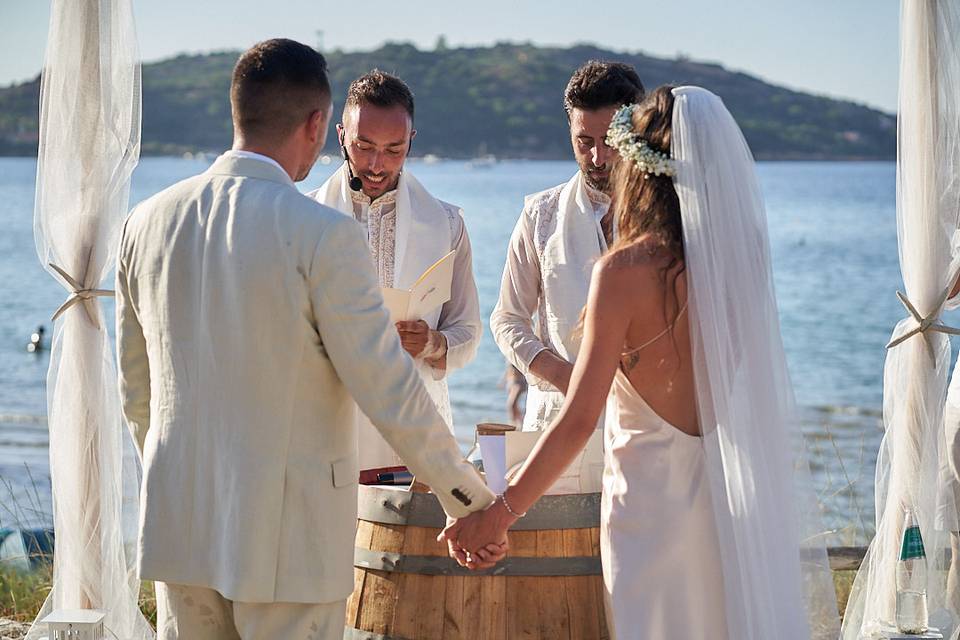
(89, 146)
(916, 370)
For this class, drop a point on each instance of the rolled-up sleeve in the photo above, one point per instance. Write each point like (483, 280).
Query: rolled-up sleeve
(512, 319)
(460, 316)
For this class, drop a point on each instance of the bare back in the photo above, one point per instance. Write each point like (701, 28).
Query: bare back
(656, 356)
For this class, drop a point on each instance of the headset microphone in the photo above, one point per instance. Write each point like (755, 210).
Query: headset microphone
(355, 183)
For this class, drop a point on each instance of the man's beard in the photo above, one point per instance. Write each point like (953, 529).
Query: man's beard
(600, 183)
(387, 183)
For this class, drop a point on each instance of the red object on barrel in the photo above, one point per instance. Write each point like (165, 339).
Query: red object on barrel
(372, 476)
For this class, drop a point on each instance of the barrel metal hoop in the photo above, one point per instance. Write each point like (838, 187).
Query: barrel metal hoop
(394, 506)
(446, 566)
(390, 506)
(351, 633)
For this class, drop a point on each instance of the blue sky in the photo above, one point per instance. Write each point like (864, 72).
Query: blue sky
(845, 48)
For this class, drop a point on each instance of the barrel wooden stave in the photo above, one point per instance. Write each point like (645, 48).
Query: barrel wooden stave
(485, 607)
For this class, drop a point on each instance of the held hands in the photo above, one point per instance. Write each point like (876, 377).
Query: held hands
(478, 541)
(420, 341)
(484, 558)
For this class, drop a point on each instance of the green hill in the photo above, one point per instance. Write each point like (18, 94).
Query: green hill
(504, 99)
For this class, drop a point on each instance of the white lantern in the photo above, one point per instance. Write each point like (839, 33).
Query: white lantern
(75, 624)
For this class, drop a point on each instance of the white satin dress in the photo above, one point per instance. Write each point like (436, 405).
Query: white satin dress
(658, 541)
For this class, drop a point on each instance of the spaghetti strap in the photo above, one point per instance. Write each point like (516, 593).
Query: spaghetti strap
(659, 335)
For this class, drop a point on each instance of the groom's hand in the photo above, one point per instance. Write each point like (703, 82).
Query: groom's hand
(420, 341)
(477, 541)
(485, 558)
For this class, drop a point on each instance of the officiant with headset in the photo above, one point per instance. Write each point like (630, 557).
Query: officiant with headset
(408, 231)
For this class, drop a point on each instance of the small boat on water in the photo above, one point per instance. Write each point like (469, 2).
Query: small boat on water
(485, 161)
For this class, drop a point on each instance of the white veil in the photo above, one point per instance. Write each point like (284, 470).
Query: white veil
(89, 146)
(916, 369)
(777, 579)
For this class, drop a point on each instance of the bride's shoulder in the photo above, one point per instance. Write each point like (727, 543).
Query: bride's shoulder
(634, 268)
(633, 259)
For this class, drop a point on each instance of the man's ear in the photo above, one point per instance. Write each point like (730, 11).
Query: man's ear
(316, 124)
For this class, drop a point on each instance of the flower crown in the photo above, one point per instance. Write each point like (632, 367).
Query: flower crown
(621, 137)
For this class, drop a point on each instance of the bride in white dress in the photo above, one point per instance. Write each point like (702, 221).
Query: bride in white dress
(708, 524)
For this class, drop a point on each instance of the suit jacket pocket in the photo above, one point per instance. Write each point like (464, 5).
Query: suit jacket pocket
(345, 471)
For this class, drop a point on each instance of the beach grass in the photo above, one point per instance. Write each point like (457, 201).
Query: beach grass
(843, 582)
(22, 594)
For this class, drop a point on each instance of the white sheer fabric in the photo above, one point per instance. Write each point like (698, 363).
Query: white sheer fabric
(915, 374)
(89, 145)
(777, 580)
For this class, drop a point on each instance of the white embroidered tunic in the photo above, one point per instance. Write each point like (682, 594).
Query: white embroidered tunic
(545, 283)
(460, 317)
(407, 231)
(380, 218)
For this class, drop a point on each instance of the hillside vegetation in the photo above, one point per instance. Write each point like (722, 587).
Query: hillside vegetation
(504, 100)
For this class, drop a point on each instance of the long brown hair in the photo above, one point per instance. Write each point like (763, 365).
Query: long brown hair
(646, 205)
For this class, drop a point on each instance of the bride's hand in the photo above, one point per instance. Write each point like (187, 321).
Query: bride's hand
(487, 557)
(484, 558)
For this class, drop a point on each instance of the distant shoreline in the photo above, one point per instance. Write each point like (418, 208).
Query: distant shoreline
(503, 100)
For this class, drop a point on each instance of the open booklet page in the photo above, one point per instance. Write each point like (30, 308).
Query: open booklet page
(430, 291)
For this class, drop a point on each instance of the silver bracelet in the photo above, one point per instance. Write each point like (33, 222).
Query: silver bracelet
(506, 505)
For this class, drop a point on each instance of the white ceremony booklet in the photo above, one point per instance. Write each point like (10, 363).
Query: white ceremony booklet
(430, 291)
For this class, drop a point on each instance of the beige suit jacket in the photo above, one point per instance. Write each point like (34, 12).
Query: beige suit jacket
(250, 325)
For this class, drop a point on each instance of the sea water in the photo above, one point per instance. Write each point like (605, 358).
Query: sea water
(833, 237)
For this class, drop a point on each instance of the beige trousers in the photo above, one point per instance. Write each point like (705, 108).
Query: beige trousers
(198, 613)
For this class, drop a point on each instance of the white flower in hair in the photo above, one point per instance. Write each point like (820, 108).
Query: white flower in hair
(630, 146)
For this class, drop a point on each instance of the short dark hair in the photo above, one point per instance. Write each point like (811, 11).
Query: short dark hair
(380, 89)
(597, 84)
(276, 85)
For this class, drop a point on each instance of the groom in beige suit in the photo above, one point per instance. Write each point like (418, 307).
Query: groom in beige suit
(250, 325)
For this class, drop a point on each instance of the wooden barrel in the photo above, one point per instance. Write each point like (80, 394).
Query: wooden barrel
(407, 588)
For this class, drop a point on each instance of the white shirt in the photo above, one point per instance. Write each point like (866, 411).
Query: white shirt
(521, 292)
(545, 284)
(407, 231)
(460, 316)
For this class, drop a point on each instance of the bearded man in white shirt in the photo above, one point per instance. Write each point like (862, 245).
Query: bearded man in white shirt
(408, 230)
(559, 235)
